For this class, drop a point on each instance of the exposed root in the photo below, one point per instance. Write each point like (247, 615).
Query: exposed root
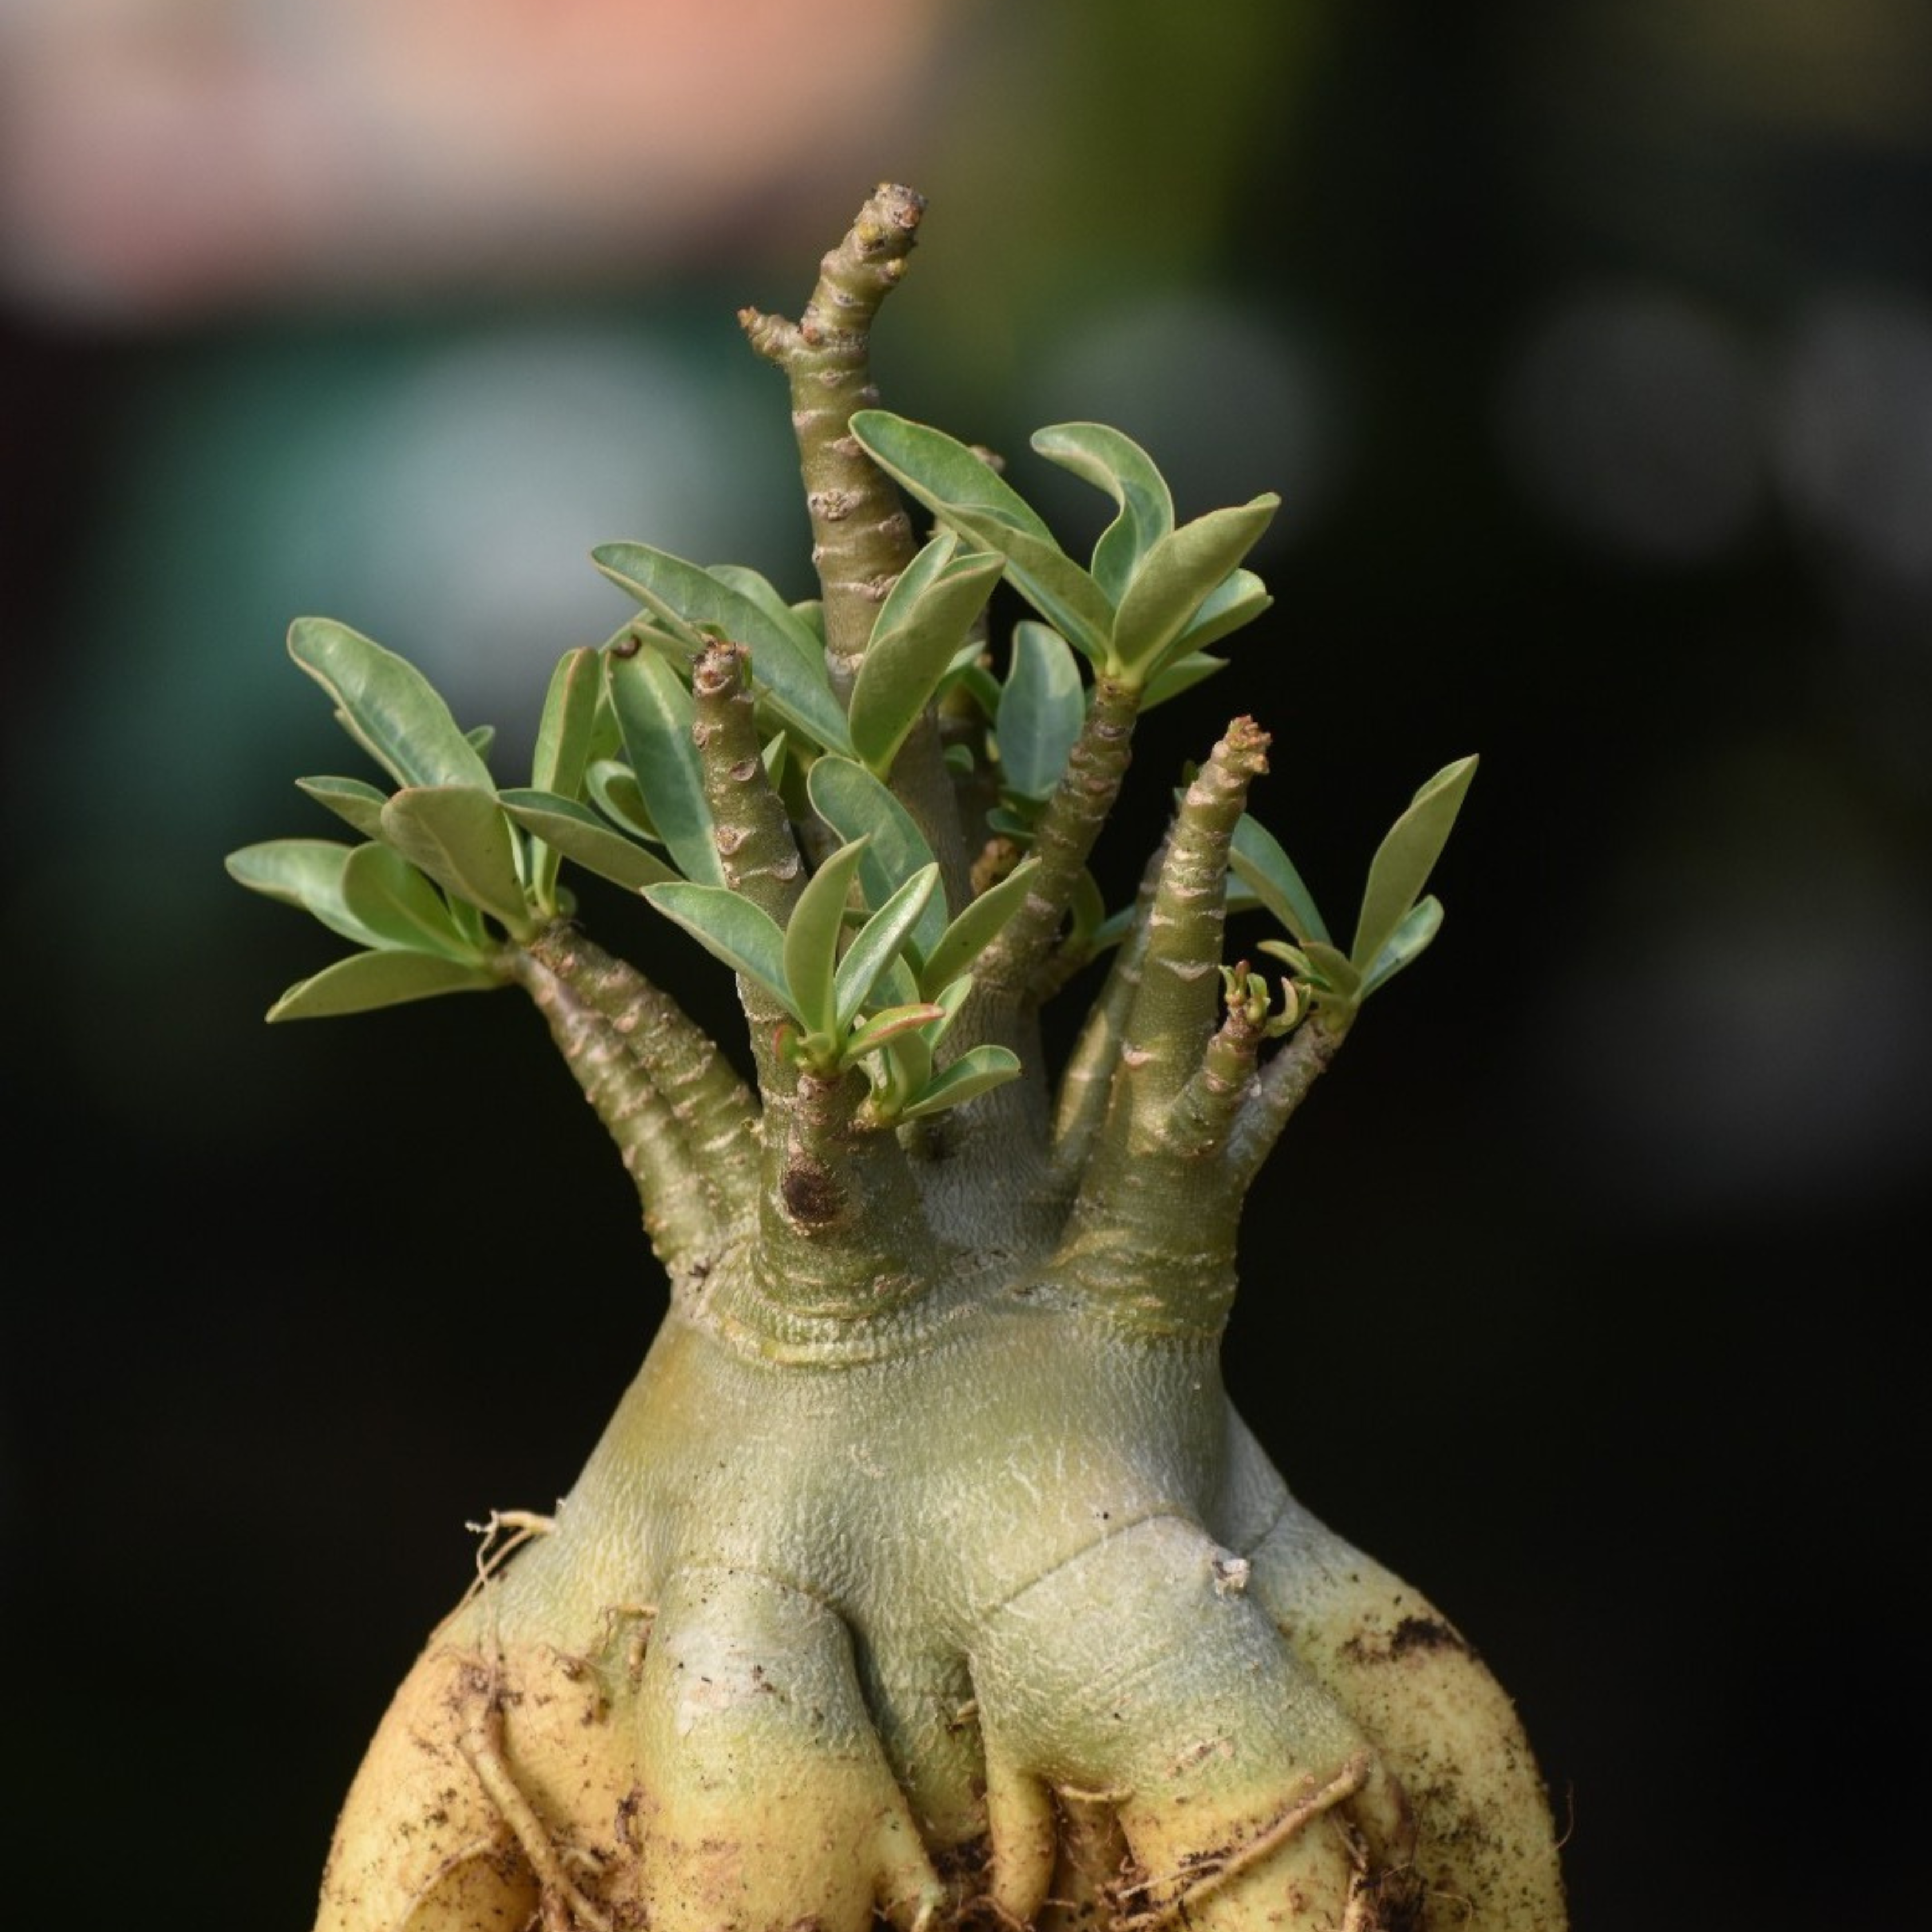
(516, 1528)
(1187, 1889)
(565, 1907)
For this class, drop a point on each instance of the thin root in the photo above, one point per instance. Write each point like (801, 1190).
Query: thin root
(517, 1528)
(1196, 1882)
(565, 1907)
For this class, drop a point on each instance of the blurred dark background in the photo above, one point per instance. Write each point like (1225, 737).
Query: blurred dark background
(1592, 348)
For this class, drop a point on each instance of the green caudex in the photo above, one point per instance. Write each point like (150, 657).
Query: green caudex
(925, 1570)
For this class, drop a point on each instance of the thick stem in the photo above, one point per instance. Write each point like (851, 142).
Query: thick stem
(1151, 1234)
(750, 827)
(1021, 958)
(1085, 1086)
(842, 1233)
(862, 537)
(683, 1121)
(756, 850)
(1202, 1119)
(1174, 1009)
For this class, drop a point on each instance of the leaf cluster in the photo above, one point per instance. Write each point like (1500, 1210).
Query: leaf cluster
(869, 964)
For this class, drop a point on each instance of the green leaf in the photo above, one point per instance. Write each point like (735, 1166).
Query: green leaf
(576, 833)
(812, 942)
(963, 491)
(1297, 962)
(1178, 576)
(482, 738)
(975, 929)
(1179, 674)
(917, 635)
(888, 1023)
(460, 837)
(1405, 858)
(973, 1073)
(1116, 463)
(1409, 941)
(614, 786)
(879, 943)
(1332, 969)
(950, 999)
(356, 803)
(366, 980)
(391, 709)
(565, 736)
(1043, 706)
(732, 929)
(569, 722)
(976, 681)
(1256, 857)
(798, 620)
(689, 602)
(389, 895)
(654, 713)
(857, 805)
(1239, 599)
(306, 873)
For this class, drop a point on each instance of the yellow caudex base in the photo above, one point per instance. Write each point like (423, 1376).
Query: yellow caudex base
(1169, 1694)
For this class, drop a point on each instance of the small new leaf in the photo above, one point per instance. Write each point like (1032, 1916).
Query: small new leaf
(973, 1073)
(1116, 463)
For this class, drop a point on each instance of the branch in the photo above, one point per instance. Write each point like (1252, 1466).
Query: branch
(840, 1227)
(1284, 1084)
(1020, 961)
(756, 850)
(1174, 1010)
(842, 1234)
(862, 537)
(1088, 1080)
(1151, 1234)
(685, 1125)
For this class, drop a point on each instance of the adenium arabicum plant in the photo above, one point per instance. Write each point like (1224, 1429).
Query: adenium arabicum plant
(925, 1571)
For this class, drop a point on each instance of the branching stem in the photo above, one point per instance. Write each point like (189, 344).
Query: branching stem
(1283, 1085)
(1151, 1234)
